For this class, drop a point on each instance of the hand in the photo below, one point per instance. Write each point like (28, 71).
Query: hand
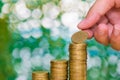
(103, 22)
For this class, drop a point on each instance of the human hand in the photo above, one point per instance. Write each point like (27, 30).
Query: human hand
(103, 22)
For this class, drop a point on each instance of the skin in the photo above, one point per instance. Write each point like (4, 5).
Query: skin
(103, 22)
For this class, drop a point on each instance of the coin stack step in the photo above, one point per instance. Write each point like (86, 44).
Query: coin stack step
(78, 56)
(40, 75)
(59, 70)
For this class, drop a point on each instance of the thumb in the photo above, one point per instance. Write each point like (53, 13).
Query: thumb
(99, 8)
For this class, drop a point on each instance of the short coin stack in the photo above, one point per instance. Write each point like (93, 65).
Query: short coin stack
(78, 57)
(59, 70)
(40, 75)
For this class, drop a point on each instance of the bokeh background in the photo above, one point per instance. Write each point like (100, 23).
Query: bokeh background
(33, 32)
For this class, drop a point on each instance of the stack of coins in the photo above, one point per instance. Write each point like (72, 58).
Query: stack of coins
(78, 57)
(40, 75)
(59, 70)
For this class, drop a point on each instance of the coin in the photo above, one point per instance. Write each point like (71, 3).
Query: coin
(40, 75)
(59, 61)
(59, 66)
(79, 37)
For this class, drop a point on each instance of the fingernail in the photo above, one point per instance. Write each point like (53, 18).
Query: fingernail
(117, 30)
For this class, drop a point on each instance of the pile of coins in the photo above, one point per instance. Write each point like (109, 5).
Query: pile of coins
(78, 57)
(59, 70)
(77, 62)
(40, 75)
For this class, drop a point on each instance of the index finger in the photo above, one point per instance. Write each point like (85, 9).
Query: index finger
(99, 8)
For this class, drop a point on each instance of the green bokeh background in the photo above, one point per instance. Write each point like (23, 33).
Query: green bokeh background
(19, 56)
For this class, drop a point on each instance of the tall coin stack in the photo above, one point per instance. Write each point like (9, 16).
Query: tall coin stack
(59, 70)
(78, 56)
(40, 75)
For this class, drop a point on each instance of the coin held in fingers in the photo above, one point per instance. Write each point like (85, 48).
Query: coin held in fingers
(79, 37)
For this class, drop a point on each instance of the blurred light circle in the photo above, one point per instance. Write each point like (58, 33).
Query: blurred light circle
(55, 33)
(69, 5)
(46, 60)
(26, 35)
(21, 77)
(26, 66)
(24, 27)
(6, 8)
(94, 73)
(33, 23)
(93, 62)
(36, 33)
(47, 22)
(25, 53)
(50, 23)
(13, 19)
(15, 53)
(32, 4)
(83, 8)
(21, 11)
(36, 61)
(54, 12)
(113, 59)
(56, 23)
(69, 18)
(38, 51)
(50, 10)
(23, 68)
(36, 13)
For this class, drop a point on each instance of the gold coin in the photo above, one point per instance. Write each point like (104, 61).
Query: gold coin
(79, 37)
(59, 62)
(52, 73)
(77, 75)
(78, 78)
(40, 73)
(59, 66)
(78, 47)
(59, 77)
(58, 71)
(77, 65)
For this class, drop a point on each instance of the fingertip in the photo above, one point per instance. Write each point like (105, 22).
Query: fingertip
(82, 24)
(89, 21)
(89, 32)
(115, 37)
(101, 34)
